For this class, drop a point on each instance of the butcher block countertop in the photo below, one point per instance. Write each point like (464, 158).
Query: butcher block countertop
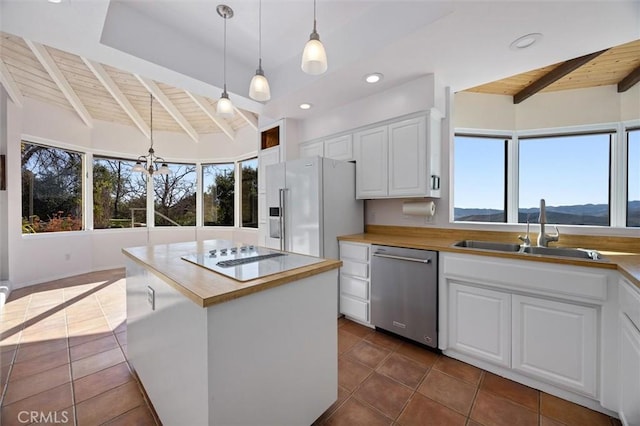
(621, 253)
(203, 286)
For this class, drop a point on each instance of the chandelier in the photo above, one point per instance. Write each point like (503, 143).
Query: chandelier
(150, 160)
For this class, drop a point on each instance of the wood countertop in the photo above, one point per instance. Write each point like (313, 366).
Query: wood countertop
(203, 286)
(621, 253)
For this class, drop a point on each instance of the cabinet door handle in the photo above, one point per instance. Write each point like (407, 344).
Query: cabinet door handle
(435, 182)
(410, 259)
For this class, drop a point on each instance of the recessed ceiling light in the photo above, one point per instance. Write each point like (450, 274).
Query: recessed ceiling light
(373, 77)
(55, 1)
(525, 41)
(305, 106)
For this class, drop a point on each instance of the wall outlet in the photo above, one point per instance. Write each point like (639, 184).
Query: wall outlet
(151, 298)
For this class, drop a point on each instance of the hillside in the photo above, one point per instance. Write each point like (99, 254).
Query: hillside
(585, 214)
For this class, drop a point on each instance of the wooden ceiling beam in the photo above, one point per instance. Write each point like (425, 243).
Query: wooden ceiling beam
(248, 117)
(629, 81)
(206, 107)
(10, 85)
(554, 75)
(56, 75)
(166, 103)
(111, 86)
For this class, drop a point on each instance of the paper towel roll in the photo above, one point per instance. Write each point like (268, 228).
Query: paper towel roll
(423, 208)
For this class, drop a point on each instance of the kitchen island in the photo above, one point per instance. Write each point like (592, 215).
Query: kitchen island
(211, 350)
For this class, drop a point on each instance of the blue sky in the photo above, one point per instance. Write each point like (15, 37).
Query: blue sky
(564, 171)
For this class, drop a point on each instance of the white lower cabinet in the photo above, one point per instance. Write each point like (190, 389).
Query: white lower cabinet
(480, 323)
(549, 340)
(547, 326)
(629, 352)
(629, 410)
(556, 342)
(354, 281)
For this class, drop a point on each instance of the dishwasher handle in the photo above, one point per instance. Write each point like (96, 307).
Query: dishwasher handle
(410, 259)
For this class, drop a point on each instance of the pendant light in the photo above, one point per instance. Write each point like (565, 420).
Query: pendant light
(224, 109)
(259, 86)
(150, 160)
(314, 58)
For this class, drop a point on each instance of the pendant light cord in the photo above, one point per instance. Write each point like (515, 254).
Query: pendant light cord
(224, 73)
(314, 16)
(260, 34)
(151, 120)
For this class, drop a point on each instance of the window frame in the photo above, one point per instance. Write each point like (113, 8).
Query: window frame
(239, 169)
(84, 182)
(90, 185)
(507, 140)
(617, 174)
(233, 163)
(610, 133)
(627, 140)
(87, 185)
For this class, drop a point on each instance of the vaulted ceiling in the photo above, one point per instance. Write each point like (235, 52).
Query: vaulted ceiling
(619, 65)
(101, 92)
(464, 43)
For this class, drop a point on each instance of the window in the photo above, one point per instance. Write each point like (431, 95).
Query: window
(175, 196)
(571, 173)
(119, 195)
(51, 189)
(480, 164)
(633, 176)
(218, 186)
(249, 192)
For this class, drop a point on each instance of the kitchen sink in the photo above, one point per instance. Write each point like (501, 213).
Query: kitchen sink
(488, 245)
(564, 252)
(576, 253)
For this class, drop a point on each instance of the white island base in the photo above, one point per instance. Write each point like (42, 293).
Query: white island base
(267, 358)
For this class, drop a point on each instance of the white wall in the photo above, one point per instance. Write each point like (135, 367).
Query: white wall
(494, 112)
(37, 258)
(416, 95)
(566, 108)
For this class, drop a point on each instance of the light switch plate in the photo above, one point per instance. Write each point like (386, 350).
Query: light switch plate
(151, 297)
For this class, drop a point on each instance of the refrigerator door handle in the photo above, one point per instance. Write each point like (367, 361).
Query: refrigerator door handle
(283, 233)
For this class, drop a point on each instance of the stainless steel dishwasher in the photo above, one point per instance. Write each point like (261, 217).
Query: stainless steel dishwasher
(404, 292)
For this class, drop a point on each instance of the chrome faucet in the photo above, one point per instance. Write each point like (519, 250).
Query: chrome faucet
(543, 238)
(526, 241)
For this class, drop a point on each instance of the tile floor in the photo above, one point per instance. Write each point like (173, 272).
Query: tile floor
(63, 361)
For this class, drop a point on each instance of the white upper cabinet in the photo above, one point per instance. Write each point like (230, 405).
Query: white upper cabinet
(400, 159)
(371, 148)
(312, 149)
(339, 148)
(407, 158)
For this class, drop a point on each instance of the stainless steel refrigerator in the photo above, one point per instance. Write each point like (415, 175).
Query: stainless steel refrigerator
(310, 202)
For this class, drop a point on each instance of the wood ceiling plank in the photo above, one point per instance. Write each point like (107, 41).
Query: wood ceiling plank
(207, 108)
(49, 64)
(108, 83)
(10, 85)
(153, 88)
(250, 119)
(629, 81)
(553, 76)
